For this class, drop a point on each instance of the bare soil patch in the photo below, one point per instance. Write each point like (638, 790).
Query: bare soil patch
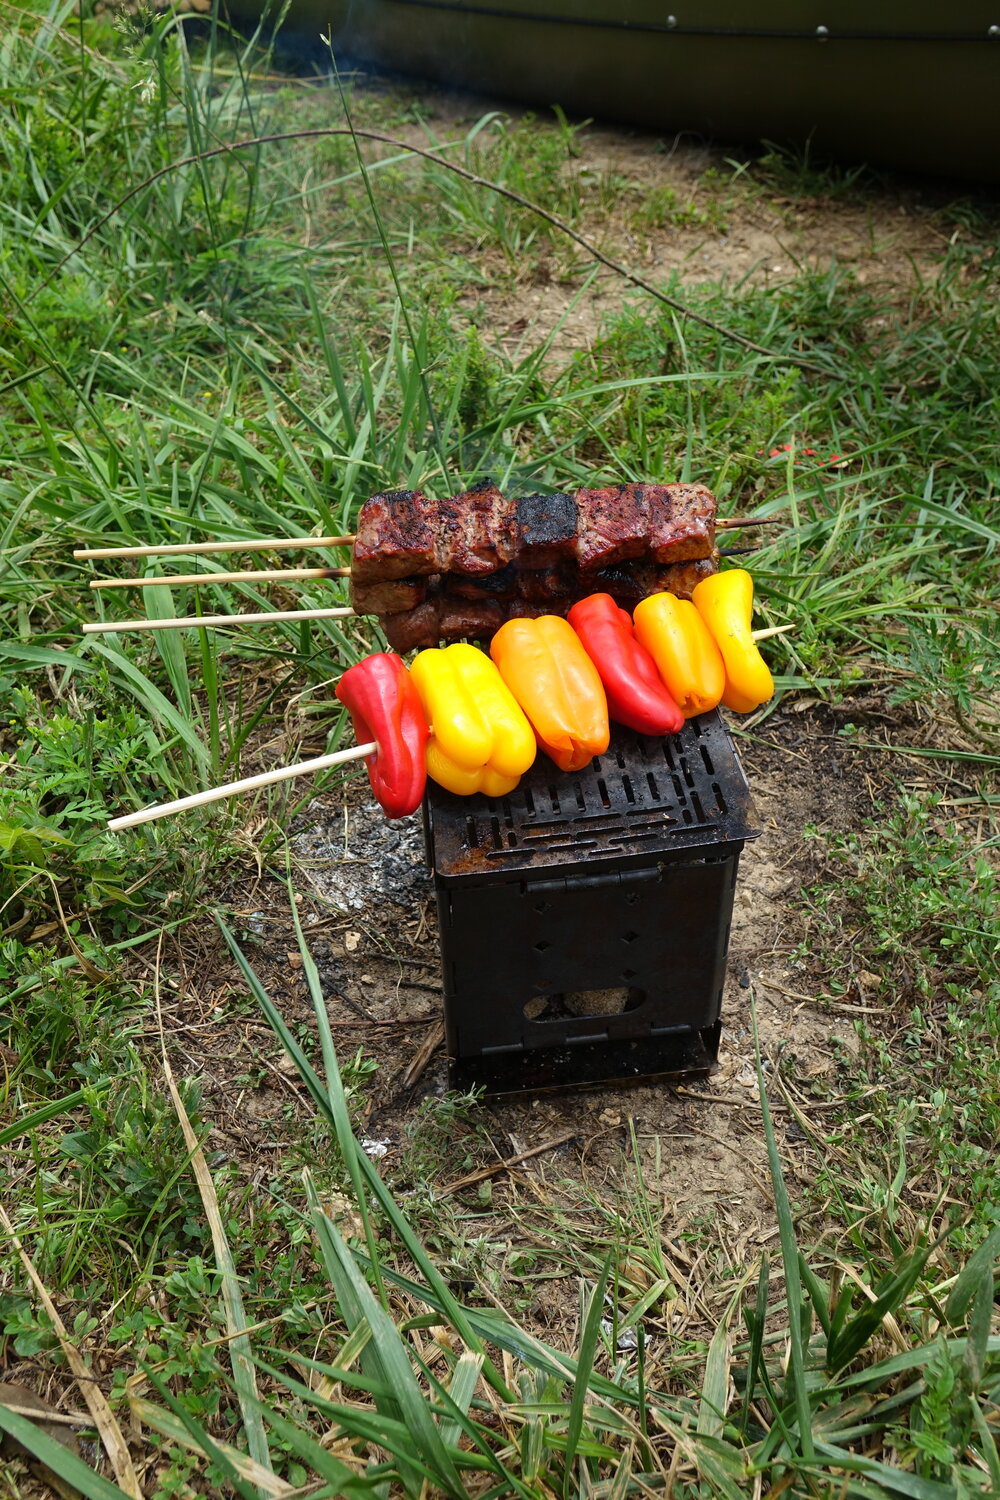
(723, 230)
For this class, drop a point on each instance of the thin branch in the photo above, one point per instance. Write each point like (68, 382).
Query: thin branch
(325, 132)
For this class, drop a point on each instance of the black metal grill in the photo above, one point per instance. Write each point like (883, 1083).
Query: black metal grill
(585, 918)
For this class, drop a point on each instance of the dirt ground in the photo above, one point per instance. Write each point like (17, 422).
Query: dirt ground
(890, 238)
(366, 898)
(366, 902)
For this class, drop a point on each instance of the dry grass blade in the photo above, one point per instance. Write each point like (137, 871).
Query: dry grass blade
(425, 1052)
(244, 1373)
(505, 1165)
(171, 1427)
(103, 1417)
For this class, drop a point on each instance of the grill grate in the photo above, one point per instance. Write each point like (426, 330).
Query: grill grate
(645, 797)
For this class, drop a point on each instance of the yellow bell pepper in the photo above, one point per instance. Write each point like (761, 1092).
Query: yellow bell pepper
(725, 603)
(550, 674)
(480, 740)
(686, 656)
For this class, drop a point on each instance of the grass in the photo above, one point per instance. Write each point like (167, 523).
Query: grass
(246, 347)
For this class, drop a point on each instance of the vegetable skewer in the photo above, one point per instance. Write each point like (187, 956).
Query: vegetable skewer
(181, 622)
(245, 784)
(193, 549)
(392, 734)
(104, 627)
(248, 575)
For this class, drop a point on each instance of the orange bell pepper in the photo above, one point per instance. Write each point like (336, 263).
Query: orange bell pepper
(553, 679)
(685, 653)
(725, 603)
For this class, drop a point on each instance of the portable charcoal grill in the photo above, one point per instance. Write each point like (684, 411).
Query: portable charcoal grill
(585, 918)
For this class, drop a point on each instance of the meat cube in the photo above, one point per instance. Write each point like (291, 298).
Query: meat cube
(396, 538)
(681, 578)
(621, 582)
(681, 521)
(540, 585)
(480, 523)
(613, 525)
(546, 530)
(462, 620)
(521, 609)
(387, 598)
(414, 629)
(499, 585)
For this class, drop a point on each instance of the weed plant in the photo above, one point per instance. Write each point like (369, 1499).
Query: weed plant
(248, 344)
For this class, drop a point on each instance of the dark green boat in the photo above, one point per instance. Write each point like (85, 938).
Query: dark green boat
(904, 83)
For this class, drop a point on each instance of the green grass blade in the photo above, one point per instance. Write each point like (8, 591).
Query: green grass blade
(441, 1297)
(980, 1261)
(465, 1378)
(388, 1350)
(60, 1460)
(178, 1425)
(585, 1365)
(339, 1109)
(894, 1481)
(715, 1383)
(51, 1111)
(790, 1262)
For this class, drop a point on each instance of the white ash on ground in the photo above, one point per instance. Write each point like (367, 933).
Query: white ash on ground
(354, 859)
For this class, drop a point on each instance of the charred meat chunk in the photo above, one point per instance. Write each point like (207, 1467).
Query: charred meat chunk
(681, 521)
(389, 597)
(397, 537)
(500, 585)
(621, 582)
(413, 629)
(480, 523)
(522, 609)
(680, 578)
(613, 525)
(627, 583)
(546, 530)
(540, 585)
(461, 619)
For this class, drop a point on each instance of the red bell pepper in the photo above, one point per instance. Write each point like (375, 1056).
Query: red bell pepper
(637, 694)
(383, 704)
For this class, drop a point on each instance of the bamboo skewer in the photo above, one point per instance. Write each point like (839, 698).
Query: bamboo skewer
(107, 627)
(275, 544)
(192, 549)
(765, 635)
(246, 784)
(271, 575)
(272, 616)
(249, 575)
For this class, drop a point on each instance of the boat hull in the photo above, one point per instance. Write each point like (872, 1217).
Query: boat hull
(907, 90)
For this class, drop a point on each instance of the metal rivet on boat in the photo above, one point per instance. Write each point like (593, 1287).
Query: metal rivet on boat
(672, 22)
(822, 33)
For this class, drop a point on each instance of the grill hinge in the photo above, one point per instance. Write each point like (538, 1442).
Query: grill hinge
(611, 879)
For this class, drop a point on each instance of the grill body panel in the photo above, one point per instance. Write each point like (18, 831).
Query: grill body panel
(585, 918)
